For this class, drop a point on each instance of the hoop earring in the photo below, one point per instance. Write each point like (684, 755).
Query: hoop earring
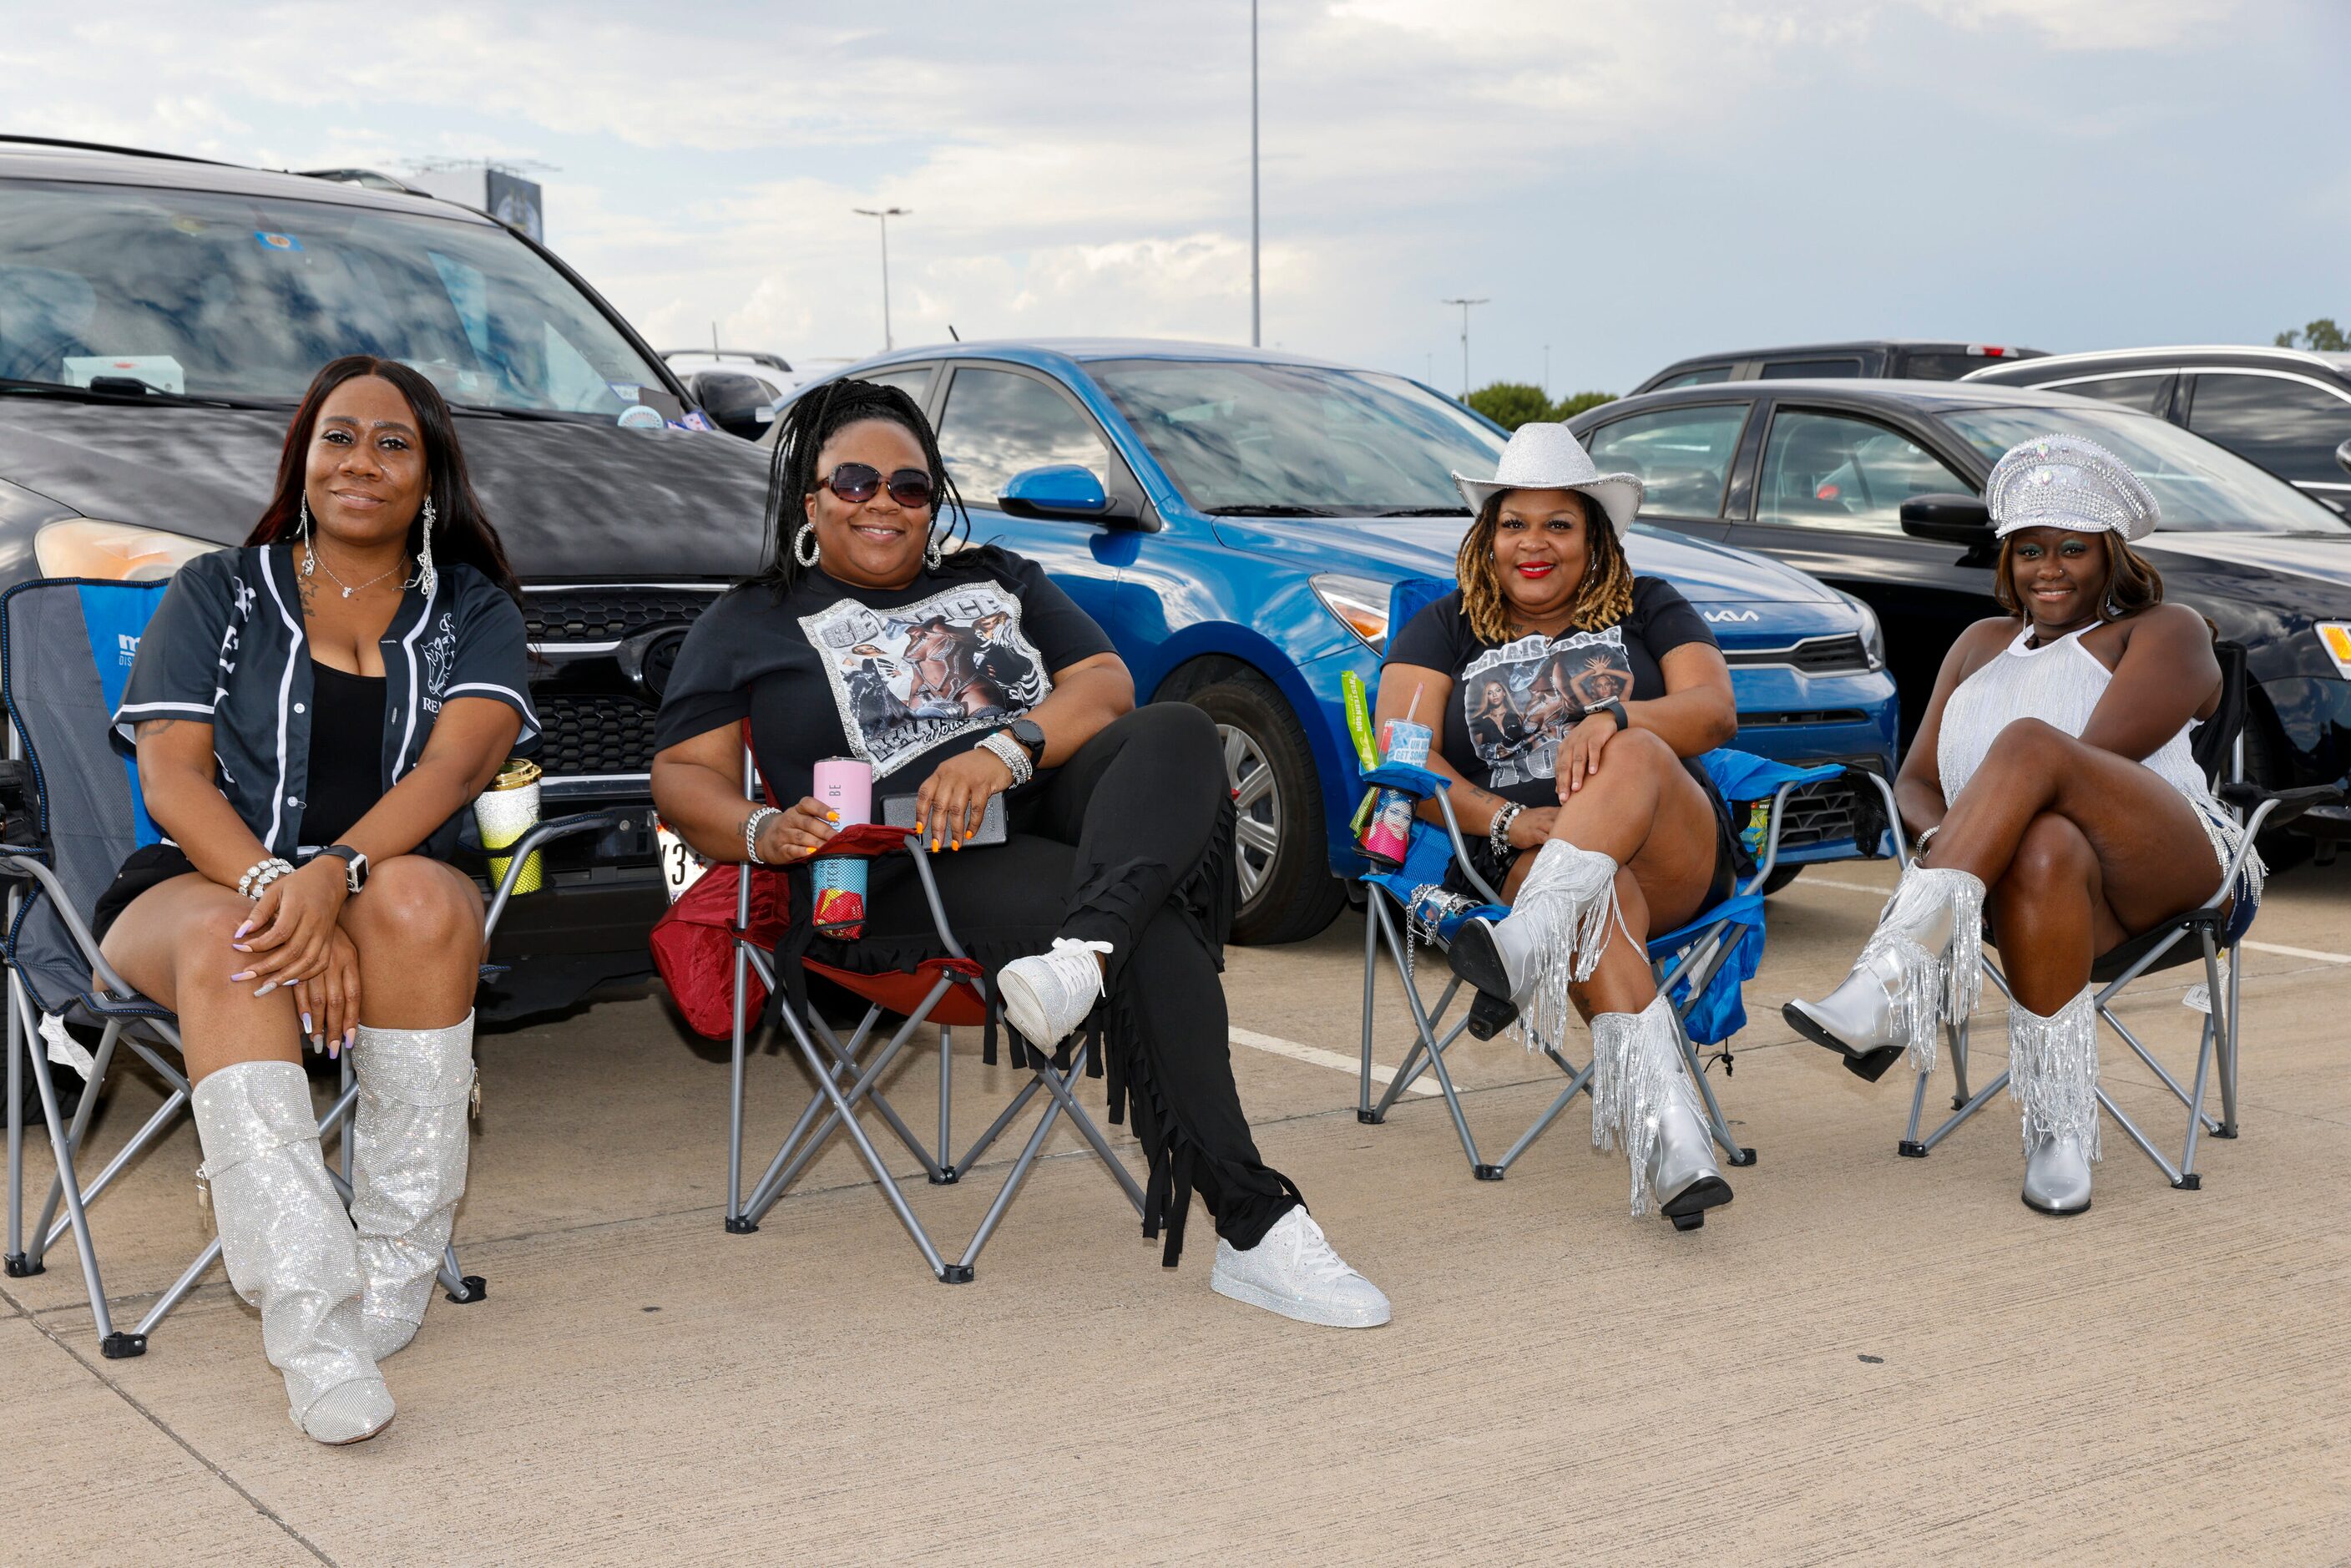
(427, 578)
(2113, 611)
(804, 544)
(310, 556)
(935, 552)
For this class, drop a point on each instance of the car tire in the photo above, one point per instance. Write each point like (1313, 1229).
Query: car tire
(1288, 893)
(1782, 875)
(2280, 849)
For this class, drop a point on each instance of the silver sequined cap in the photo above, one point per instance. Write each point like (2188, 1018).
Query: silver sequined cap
(2065, 481)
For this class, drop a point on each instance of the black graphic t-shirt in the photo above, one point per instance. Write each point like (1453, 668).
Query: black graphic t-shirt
(904, 678)
(1514, 702)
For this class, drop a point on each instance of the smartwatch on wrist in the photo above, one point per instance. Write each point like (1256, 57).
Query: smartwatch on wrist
(355, 866)
(1032, 736)
(1615, 705)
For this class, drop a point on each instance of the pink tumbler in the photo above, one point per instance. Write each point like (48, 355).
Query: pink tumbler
(844, 786)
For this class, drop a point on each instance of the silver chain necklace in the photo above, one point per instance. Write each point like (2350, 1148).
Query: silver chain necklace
(312, 557)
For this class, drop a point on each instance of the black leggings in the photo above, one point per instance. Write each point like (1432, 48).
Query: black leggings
(1130, 842)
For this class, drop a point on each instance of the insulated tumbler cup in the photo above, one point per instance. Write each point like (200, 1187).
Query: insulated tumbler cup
(843, 785)
(1390, 833)
(507, 810)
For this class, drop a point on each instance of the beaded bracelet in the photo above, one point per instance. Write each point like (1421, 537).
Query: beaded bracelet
(1498, 831)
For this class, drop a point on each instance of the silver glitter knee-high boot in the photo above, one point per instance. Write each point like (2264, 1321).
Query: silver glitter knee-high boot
(1642, 1101)
(2053, 1075)
(1553, 936)
(288, 1245)
(408, 1168)
(1922, 968)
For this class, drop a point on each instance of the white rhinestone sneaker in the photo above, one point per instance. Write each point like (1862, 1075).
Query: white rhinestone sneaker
(1049, 994)
(1292, 1270)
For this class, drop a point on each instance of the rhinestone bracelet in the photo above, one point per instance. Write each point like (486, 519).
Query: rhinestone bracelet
(1498, 831)
(263, 872)
(1012, 754)
(751, 826)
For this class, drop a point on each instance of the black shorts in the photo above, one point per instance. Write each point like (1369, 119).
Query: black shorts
(144, 868)
(1731, 861)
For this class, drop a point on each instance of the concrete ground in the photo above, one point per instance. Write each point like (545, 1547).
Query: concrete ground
(1864, 1358)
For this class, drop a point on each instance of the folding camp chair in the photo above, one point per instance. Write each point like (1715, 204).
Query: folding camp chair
(2220, 747)
(950, 993)
(66, 647)
(1700, 967)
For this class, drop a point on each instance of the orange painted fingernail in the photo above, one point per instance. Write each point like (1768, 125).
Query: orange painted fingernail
(832, 816)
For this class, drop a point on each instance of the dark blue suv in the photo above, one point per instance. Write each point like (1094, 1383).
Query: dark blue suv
(1236, 519)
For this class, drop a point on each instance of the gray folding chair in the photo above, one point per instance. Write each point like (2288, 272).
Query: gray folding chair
(2220, 746)
(74, 814)
(949, 992)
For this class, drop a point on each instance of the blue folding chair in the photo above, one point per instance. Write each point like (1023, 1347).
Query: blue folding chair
(75, 813)
(1700, 965)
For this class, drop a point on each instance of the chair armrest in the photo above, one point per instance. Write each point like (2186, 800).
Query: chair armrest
(542, 834)
(2284, 805)
(1417, 782)
(868, 840)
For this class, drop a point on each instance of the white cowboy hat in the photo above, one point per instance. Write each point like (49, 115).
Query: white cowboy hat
(1548, 457)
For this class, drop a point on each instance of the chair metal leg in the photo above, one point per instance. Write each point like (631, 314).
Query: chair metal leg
(995, 1129)
(48, 1227)
(2152, 1064)
(736, 1223)
(17, 1264)
(1578, 1081)
(2214, 1023)
(947, 1175)
(2227, 1038)
(1063, 1089)
(996, 1211)
(783, 1174)
(1371, 999)
(1716, 1122)
(2145, 1144)
(1957, 1034)
(846, 1055)
(1428, 1032)
(110, 1344)
(1910, 1146)
(844, 1111)
(1983, 1096)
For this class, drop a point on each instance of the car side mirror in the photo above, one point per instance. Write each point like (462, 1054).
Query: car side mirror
(2343, 457)
(1948, 519)
(1057, 490)
(739, 406)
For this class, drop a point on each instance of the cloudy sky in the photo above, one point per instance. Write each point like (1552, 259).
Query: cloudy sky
(1628, 181)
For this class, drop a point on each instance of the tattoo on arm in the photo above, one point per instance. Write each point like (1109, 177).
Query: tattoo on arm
(153, 726)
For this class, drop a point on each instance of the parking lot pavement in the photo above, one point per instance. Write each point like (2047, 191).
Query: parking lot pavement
(1862, 1358)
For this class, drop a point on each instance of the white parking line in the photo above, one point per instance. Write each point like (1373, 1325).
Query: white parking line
(1321, 1058)
(2315, 955)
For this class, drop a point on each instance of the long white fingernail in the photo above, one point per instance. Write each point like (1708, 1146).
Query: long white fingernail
(264, 989)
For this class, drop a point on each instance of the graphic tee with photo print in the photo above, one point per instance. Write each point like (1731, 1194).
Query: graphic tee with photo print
(908, 679)
(1514, 702)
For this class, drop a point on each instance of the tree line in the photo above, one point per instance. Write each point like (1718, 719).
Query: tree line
(1513, 403)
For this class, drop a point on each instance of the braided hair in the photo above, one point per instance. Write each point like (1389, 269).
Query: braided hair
(804, 428)
(1603, 598)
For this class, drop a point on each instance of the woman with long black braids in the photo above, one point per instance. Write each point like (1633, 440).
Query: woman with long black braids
(961, 674)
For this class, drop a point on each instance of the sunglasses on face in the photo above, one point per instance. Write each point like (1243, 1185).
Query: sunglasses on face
(860, 482)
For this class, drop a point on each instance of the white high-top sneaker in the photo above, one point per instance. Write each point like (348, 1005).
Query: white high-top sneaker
(288, 1245)
(1553, 936)
(1292, 1270)
(1922, 968)
(408, 1168)
(2053, 1075)
(1049, 994)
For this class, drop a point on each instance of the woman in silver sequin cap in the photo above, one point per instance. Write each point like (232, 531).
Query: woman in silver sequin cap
(2052, 776)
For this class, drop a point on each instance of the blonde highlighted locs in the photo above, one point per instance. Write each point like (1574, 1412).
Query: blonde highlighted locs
(1603, 598)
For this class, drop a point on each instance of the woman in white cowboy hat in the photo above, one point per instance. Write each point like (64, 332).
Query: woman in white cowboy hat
(2051, 774)
(1580, 806)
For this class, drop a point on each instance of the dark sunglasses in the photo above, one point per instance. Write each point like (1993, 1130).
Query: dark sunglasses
(861, 482)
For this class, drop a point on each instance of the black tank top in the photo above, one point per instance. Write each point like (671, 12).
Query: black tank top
(346, 752)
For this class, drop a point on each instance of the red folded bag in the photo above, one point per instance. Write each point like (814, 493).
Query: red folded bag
(694, 948)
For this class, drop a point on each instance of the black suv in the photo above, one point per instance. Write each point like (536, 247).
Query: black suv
(159, 319)
(1899, 359)
(2284, 408)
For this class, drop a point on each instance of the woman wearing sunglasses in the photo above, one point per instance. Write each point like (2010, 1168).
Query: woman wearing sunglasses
(959, 675)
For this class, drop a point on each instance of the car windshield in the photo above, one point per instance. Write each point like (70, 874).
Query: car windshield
(212, 294)
(2202, 488)
(1297, 440)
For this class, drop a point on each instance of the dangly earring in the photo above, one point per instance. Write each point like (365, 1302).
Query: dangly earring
(310, 556)
(935, 552)
(427, 577)
(804, 546)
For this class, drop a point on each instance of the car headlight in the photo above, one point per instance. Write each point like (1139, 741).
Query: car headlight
(2335, 636)
(1360, 602)
(1873, 635)
(118, 552)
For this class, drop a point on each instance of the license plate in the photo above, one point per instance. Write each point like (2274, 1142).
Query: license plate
(681, 867)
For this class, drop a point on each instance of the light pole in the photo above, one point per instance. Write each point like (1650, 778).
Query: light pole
(1546, 369)
(1257, 286)
(885, 215)
(1465, 305)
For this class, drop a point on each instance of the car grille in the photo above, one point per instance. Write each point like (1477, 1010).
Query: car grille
(595, 733)
(1822, 813)
(606, 614)
(1841, 655)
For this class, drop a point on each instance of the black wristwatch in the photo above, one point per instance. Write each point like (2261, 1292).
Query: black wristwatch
(1616, 705)
(1031, 737)
(355, 866)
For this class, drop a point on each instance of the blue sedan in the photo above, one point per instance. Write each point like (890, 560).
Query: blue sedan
(1236, 520)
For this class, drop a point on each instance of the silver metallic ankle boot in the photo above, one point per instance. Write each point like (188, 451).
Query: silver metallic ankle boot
(288, 1245)
(1920, 969)
(2053, 1075)
(408, 1169)
(1642, 1101)
(1557, 927)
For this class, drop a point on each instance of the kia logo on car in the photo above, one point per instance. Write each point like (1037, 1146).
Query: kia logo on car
(1719, 617)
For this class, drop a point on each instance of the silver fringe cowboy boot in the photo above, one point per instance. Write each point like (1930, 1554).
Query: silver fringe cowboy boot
(1642, 1101)
(1557, 927)
(2053, 1075)
(1922, 968)
(288, 1245)
(408, 1170)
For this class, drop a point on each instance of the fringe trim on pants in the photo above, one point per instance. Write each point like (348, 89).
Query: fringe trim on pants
(2052, 1072)
(1636, 1072)
(1933, 988)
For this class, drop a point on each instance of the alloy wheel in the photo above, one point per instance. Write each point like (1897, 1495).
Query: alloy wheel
(1258, 831)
